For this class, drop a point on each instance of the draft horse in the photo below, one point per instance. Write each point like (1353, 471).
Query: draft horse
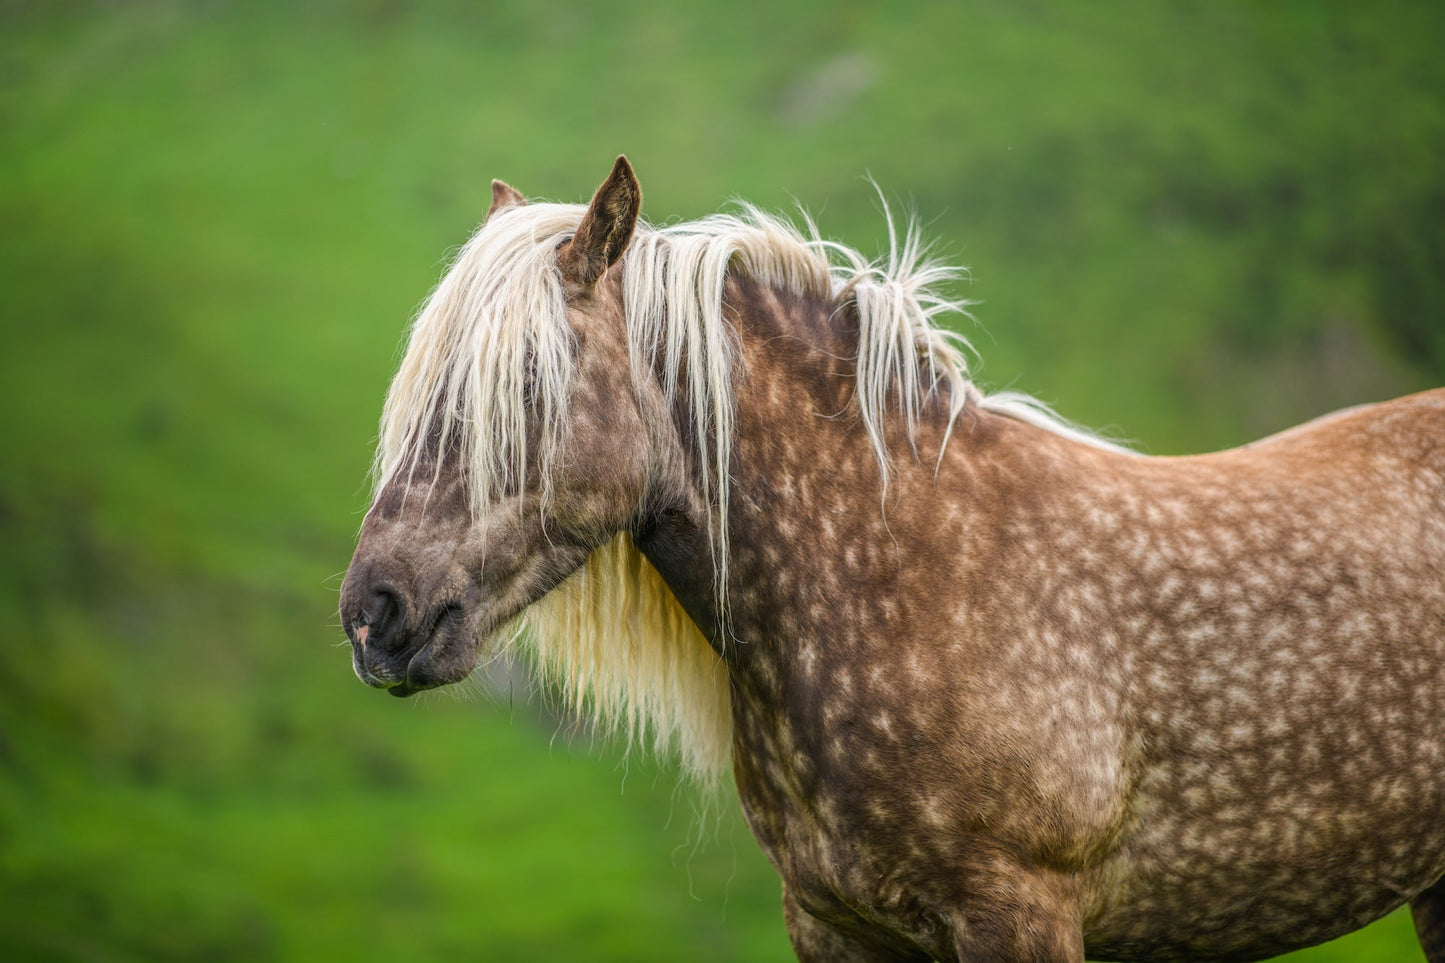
(991, 688)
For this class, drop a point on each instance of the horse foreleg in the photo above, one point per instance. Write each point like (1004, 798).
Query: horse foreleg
(1428, 909)
(818, 941)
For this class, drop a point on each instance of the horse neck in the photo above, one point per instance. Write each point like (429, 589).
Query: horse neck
(809, 516)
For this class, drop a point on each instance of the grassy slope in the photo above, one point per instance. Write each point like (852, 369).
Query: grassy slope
(218, 219)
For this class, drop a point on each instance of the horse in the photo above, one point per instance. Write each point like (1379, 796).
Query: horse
(990, 686)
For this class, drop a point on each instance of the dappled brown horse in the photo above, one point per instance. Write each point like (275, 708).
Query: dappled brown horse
(991, 688)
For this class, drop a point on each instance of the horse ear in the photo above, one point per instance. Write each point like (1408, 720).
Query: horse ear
(605, 229)
(504, 195)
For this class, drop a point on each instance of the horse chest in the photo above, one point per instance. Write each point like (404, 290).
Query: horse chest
(843, 839)
(877, 817)
(856, 874)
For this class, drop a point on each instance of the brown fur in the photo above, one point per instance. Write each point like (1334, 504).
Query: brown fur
(1037, 698)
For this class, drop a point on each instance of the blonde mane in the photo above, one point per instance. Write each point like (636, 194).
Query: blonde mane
(491, 349)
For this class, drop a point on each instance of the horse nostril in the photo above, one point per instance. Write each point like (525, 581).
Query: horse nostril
(380, 611)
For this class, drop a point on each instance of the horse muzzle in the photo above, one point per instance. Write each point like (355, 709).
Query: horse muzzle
(402, 647)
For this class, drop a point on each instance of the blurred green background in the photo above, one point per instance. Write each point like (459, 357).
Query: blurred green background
(1189, 224)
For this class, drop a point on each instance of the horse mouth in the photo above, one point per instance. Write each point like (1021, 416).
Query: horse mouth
(445, 654)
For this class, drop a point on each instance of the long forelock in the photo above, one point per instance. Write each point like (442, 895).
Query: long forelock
(489, 350)
(492, 348)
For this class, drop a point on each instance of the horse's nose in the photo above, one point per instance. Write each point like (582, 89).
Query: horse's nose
(378, 622)
(379, 612)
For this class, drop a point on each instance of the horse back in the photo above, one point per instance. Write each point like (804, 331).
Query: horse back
(1280, 635)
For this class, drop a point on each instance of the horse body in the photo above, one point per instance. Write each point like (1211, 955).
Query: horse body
(1176, 703)
(1006, 694)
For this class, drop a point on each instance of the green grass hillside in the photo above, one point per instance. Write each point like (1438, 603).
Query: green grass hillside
(1189, 224)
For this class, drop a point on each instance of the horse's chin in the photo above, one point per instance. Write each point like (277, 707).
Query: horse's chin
(432, 668)
(449, 654)
(401, 690)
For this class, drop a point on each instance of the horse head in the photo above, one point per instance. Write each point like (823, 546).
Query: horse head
(514, 442)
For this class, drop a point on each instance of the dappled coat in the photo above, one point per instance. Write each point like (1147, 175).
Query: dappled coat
(991, 688)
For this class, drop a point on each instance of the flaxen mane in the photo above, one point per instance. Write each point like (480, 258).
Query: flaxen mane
(494, 345)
